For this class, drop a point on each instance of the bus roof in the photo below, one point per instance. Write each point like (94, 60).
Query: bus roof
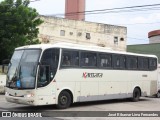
(80, 47)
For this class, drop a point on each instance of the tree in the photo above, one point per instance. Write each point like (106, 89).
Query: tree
(18, 26)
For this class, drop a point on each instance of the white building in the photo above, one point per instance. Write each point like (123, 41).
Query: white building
(154, 36)
(55, 30)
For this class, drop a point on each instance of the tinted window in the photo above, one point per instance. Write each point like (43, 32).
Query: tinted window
(152, 63)
(70, 58)
(88, 59)
(48, 67)
(119, 61)
(143, 63)
(131, 62)
(105, 60)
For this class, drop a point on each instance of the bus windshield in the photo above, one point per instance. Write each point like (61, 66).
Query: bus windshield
(22, 69)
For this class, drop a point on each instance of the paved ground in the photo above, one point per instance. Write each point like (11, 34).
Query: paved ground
(145, 104)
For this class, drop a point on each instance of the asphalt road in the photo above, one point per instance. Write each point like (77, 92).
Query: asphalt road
(145, 104)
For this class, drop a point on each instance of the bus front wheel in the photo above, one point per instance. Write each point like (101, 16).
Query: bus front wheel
(136, 95)
(64, 100)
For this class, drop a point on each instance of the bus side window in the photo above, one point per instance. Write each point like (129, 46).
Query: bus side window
(66, 61)
(88, 59)
(132, 63)
(143, 63)
(119, 61)
(76, 61)
(48, 67)
(152, 63)
(105, 60)
(102, 62)
(70, 58)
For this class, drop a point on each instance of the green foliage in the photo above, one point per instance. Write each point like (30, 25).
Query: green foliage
(18, 26)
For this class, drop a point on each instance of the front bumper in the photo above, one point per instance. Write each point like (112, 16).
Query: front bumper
(20, 100)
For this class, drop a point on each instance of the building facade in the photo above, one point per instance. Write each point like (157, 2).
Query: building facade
(55, 30)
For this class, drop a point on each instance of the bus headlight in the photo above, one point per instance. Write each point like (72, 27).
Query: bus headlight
(29, 95)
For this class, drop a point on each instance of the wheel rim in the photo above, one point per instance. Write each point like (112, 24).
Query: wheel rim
(64, 100)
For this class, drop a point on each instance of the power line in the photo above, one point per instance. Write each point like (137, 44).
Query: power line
(34, 0)
(122, 11)
(139, 23)
(137, 39)
(117, 8)
(109, 10)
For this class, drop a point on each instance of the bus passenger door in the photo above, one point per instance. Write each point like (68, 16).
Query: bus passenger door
(47, 70)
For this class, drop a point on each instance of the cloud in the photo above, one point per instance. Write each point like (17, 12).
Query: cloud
(155, 17)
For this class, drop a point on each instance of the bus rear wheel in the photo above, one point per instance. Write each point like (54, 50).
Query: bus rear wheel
(158, 94)
(64, 100)
(136, 95)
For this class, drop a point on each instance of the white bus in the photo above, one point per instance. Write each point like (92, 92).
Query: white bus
(158, 84)
(65, 73)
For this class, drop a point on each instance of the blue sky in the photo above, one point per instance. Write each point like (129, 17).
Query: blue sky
(138, 23)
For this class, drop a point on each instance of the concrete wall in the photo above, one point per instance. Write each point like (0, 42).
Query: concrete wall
(55, 30)
(154, 39)
(154, 36)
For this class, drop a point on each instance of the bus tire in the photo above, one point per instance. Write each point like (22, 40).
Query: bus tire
(64, 100)
(158, 94)
(136, 95)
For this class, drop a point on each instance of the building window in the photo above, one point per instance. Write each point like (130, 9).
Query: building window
(88, 36)
(122, 39)
(62, 32)
(71, 33)
(116, 40)
(79, 34)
